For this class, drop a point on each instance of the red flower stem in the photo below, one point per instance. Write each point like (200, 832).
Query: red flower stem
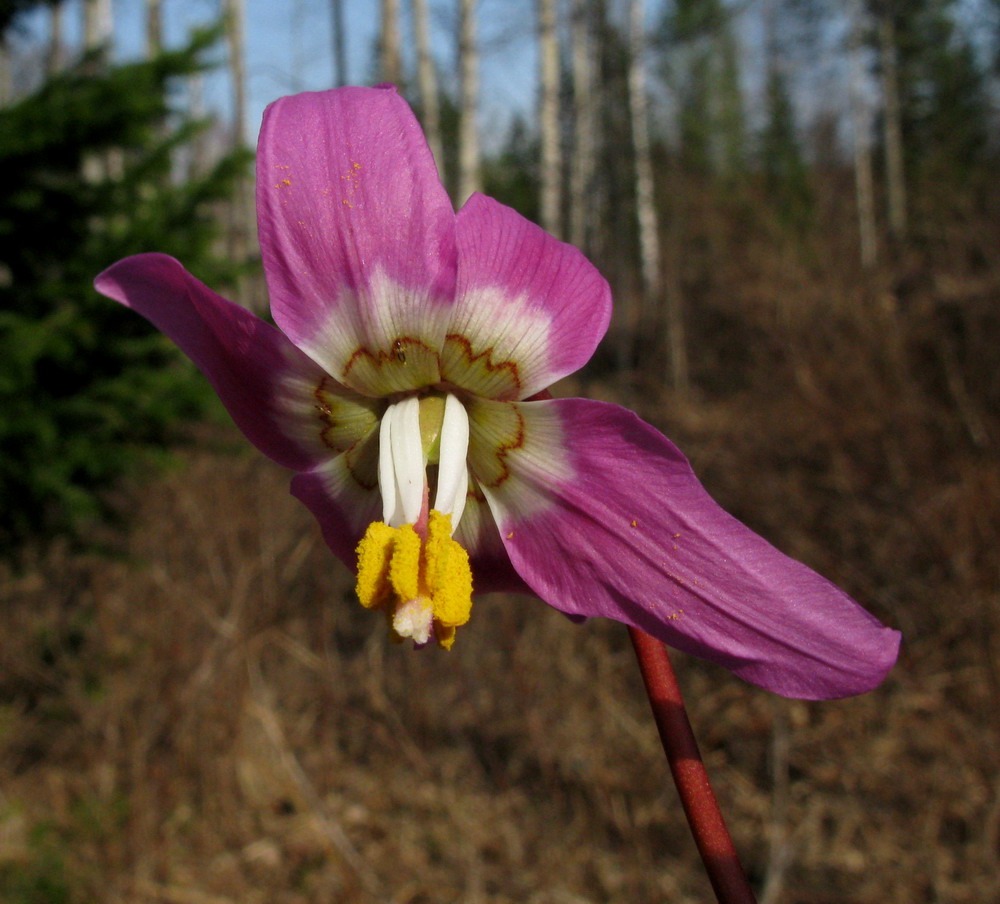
(700, 806)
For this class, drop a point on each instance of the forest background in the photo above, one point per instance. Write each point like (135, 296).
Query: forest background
(796, 203)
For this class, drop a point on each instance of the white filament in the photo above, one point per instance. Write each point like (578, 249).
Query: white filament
(453, 470)
(401, 463)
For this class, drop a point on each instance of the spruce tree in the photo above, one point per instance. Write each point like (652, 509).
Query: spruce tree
(87, 389)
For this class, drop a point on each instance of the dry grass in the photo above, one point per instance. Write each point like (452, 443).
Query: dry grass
(210, 718)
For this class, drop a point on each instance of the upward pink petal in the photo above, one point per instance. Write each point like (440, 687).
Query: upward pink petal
(357, 235)
(630, 534)
(262, 379)
(529, 308)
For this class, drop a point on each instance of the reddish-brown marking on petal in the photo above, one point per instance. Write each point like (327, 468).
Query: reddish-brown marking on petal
(506, 448)
(485, 358)
(395, 355)
(353, 454)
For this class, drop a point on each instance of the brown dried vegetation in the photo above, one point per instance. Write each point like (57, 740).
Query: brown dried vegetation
(210, 718)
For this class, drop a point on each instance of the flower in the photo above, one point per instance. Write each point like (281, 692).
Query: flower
(403, 388)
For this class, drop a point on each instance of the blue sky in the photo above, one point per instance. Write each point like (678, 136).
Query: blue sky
(289, 48)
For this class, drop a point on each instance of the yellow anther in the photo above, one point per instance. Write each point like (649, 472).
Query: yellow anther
(404, 572)
(449, 575)
(418, 582)
(445, 636)
(374, 555)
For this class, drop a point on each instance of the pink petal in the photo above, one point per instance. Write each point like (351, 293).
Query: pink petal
(529, 308)
(632, 535)
(343, 504)
(357, 236)
(491, 568)
(263, 380)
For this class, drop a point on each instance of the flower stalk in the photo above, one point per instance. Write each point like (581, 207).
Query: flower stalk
(714, 843)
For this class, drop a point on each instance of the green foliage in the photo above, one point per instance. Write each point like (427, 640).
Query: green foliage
(945, 107)
(512, 176)
(87, 389)
(41, 878)
(702, 66)
(786, 176)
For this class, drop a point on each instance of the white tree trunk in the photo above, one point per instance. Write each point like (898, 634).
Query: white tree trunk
(6, 86)
(654, 291)
(649, 244)
(235, 16)
(864, 182)
(468, 78)
(390, 62)
(427, 82)
(893, 132)
(55, 58)
(583, 158)
(241, 238)
(339, 44)
(548, 115)
(197, 161)
(98, 36)
(154, 28)
(98, 24)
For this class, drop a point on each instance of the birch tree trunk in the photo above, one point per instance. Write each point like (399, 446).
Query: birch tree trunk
(198, 159)
(468, 78)
(98, 24)
(235, 16)
(55, 57)
(548, 116)
(98, 35)
(654, 289)
(339, 45)
(892, 126)
(582, 160)
(6, 86)
(154, 28)
(390, 61)
(242, 215)
(649, 245)
(864, 182)
(427, 82)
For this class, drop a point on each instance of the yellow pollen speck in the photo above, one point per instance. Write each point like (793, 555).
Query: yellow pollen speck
(635, 524)
(510, 536)
(676, 536)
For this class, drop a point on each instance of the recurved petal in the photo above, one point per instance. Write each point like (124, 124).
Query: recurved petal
(631, 534)
(529, 308)
(357, 236)
(285, 404)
